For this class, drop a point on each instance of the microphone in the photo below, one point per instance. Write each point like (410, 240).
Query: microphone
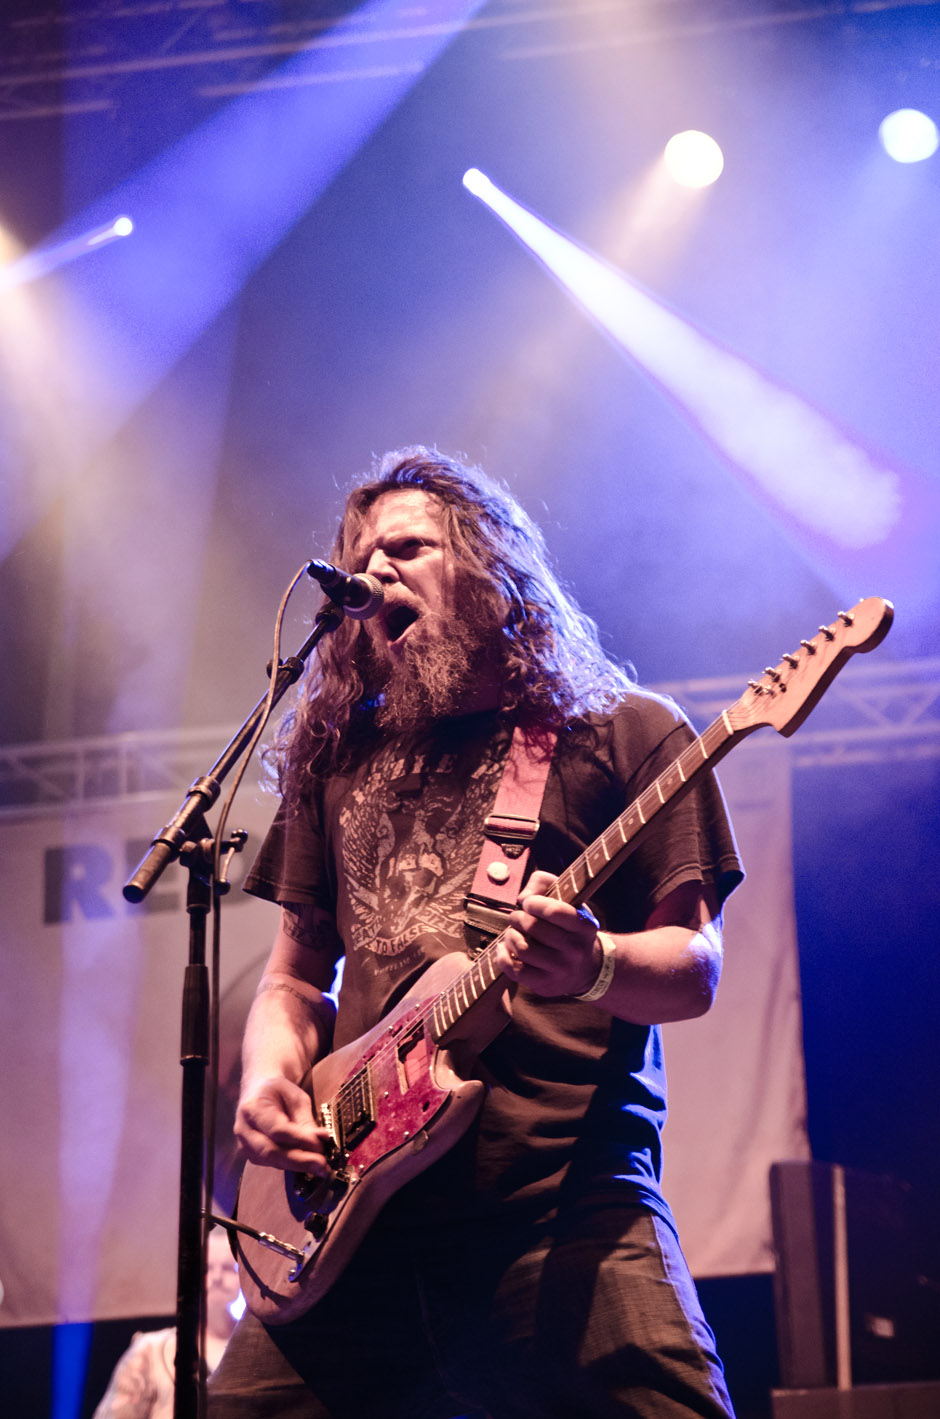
(360, 595)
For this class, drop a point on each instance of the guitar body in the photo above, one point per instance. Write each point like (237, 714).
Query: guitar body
(395, 1102)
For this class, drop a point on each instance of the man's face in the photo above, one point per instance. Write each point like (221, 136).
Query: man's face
(401, 544)
(435, 646)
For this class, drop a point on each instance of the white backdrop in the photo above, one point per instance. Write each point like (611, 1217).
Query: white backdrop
(89, 1053)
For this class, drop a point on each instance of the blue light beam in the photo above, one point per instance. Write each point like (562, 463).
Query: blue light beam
(841, 499)
(50, 257)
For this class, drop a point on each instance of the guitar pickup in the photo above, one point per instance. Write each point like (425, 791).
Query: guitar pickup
(355, 1114)
(414, 1057)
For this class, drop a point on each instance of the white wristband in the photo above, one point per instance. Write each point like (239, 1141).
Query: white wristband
(606, 973)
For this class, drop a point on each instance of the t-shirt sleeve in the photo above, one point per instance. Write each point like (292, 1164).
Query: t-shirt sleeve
(292, 863)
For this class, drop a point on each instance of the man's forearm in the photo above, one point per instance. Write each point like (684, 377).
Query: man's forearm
(289, 1027)
(665, 974)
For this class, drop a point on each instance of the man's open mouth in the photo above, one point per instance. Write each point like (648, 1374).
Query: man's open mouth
(397, 621)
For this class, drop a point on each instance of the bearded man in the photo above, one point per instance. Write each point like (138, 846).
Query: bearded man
(532, 1271)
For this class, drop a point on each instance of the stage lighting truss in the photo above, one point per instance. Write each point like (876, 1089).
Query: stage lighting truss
(84, 58)
(873, 713)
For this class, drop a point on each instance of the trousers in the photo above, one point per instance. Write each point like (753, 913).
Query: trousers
(597, 1316)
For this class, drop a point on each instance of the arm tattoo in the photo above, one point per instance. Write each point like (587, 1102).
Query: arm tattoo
(291, 990)
(308, 925)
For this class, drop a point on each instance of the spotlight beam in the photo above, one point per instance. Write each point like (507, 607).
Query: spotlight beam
(49, 258)
(814, 475)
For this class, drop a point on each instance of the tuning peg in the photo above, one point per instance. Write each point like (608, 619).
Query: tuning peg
(774, 674)
(756, 687)
(830, 635)
(809, 646)
(847, 617)
(791, 660)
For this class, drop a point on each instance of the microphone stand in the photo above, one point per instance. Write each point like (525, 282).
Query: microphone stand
(186, 837)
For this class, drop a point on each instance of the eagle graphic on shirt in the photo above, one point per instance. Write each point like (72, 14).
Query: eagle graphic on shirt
(411, 839)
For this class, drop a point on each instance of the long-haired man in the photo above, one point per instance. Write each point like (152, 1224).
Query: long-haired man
(533, 1271)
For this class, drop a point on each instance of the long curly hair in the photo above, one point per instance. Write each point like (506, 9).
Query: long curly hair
(553, 666)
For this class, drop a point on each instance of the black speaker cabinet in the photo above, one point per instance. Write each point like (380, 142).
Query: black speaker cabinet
(856, 1295)
(901, 1401)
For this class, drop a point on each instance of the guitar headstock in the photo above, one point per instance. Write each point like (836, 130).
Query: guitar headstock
(785, 694)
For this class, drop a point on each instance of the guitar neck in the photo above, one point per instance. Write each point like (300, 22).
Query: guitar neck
(595, 864)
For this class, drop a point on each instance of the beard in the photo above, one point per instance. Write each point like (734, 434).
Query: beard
(439, 671)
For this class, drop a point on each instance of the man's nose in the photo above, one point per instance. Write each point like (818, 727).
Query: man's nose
(381, 568)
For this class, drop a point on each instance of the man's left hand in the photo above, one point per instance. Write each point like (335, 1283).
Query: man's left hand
(549, 946)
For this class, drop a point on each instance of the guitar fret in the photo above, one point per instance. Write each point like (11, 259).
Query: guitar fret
(574, 874)
(649, 803)
(670, 782)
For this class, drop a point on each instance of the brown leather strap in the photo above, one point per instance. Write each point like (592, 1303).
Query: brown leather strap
(509, 831)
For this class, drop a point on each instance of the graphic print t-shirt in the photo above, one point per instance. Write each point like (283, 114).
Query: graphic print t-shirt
(391, 849)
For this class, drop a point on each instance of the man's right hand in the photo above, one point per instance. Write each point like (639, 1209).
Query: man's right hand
(275, 1128)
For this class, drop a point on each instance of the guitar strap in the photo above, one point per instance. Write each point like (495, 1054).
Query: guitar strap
(508, 833)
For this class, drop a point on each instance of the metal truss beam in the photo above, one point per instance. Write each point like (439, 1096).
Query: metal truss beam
(83, 56)
(873, 713)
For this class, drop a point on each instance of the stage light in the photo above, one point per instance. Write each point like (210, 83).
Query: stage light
(120, 227)
(49, 258)
(257, 164)
(476, 182)
(693, 159)
(908, 136)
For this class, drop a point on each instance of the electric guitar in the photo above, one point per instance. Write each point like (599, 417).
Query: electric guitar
(401, 1095)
